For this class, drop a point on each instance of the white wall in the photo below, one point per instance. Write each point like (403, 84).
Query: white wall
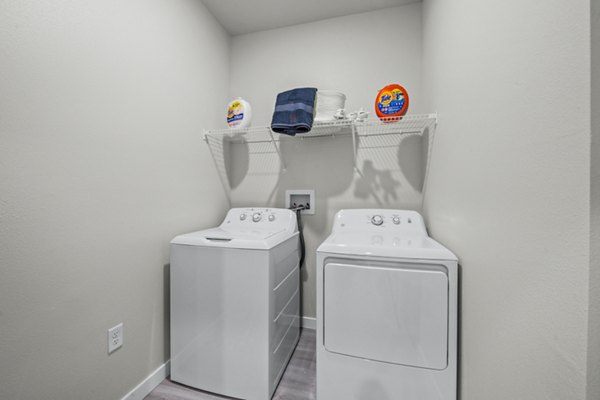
(509, 188)
(594, 298)
(357, 55)
(101, 164)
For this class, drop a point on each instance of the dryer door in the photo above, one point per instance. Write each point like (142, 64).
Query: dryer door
(394, 313)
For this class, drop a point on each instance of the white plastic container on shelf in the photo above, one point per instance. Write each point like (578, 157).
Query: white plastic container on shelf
(328, 102)
(239, 113)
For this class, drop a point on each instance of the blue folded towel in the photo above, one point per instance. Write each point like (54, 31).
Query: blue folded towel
(294, 111)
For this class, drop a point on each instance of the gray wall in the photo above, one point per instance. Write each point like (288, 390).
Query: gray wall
(101, 163)
(594, 300)
(350, 54)
(508, 188)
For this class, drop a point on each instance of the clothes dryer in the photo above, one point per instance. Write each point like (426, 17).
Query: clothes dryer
(386, 310)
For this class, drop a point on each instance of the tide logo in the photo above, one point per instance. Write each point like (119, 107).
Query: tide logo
(386, 98)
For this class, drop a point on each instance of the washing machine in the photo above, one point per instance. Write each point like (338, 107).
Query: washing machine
(386, 310)
(235, 303)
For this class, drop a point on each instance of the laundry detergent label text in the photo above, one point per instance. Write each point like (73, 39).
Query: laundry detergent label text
(391, 102)
(235, 113)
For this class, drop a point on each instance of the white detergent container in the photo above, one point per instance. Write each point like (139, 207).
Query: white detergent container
(239, 113)
(328, 103)
(235, 303)
(386, 310)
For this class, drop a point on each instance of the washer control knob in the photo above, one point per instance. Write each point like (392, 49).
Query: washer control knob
(242, 217)
(396, 220)
(377, 220)
(256, 217)
(272, 217)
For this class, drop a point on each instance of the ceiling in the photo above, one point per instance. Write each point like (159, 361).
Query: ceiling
(239, 16)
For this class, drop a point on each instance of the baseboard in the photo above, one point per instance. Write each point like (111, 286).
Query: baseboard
(147, 385)
(309, 322)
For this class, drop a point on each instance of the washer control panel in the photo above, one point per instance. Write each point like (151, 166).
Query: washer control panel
(259, 218)
(380, 220)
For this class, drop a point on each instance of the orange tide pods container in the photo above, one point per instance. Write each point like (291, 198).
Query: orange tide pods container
(391, 103)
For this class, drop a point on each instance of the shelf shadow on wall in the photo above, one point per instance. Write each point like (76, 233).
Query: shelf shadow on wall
(412, 159)
(372, 181)
(242, 164)
(237, 161)
(391, 169)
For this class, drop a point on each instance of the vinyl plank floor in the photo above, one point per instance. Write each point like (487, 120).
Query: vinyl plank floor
(298, 381)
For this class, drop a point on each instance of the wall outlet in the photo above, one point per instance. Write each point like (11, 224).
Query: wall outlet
(296, 197)
(115, 338)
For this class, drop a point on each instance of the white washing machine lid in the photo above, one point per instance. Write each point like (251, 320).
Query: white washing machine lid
(274, 227)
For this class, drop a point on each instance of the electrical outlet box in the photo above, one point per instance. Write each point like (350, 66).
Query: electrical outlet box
(115, 338)
(297, 197)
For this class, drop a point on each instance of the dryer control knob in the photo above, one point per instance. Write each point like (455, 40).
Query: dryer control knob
(272, 217)
(377, 220)
(396, 220)
(256, 217)
(242, 217)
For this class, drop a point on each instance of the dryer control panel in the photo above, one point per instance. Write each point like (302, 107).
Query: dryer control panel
(396, 221)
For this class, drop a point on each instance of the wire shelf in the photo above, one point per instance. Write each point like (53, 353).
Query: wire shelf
(407, 125)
